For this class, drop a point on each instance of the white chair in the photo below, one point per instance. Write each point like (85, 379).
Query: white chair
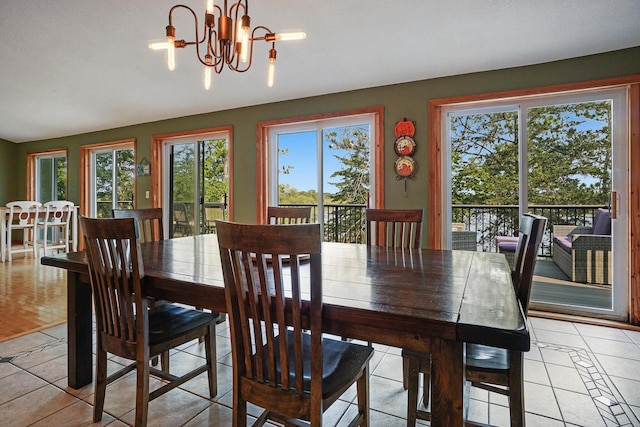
(53, 231)
(23, 216)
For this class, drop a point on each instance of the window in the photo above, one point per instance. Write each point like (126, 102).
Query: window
(107, 178)
(560, 155)
(331, 163)
(47, 176)
(193, 179)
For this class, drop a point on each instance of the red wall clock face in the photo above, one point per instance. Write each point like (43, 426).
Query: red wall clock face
(405, 166)
(405, 146)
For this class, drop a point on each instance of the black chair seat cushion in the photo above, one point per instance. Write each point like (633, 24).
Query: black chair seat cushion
(169, 321)
(341, 362)
(483, 357)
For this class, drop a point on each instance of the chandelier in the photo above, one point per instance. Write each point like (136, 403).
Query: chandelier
(230, 43)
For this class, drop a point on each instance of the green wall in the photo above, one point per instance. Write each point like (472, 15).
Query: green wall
(8, 189)
(403, 100)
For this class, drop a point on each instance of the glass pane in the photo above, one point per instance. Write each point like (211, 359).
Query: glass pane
(45, 177)
(214, 183)
(125, 179)
(182, 188)
(51, 179)
(104, 184)
(346, 171)
(60, 177)
(298, 170)
(569, 178)
(484, 178)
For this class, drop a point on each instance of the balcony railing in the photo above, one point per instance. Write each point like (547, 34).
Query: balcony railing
(489, 221)
(345, 223)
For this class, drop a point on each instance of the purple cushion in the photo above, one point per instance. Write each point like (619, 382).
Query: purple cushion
(564, 242)
(506, 239)
(508, 247)
(602, 222)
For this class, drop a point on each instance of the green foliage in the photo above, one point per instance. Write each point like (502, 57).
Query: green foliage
(216, 180)
(569, 156)
(353, 183)
(124, 181)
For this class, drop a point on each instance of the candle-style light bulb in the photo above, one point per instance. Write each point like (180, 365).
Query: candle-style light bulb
(210, 6)
(207, 72)
(298, 35)
(171, 54)
(244, 25)
(171, 47)
(272, 67)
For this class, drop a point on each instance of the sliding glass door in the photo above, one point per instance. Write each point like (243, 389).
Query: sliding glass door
(51, 177)
(562, 157)
(197, 184)
(326, 165)
(112, 180)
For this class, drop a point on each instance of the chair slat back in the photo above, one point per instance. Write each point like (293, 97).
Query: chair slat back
(115, 270)
(264, 292)
(58, 212)
(396, 228)
(149, 222)
(23, 213)
(288, 215)
(531, 230)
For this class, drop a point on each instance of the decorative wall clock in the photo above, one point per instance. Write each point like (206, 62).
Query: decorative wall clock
(405, 167)
(405, 127)
(404, 146)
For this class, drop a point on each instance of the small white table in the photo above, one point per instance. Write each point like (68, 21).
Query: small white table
(4, 221)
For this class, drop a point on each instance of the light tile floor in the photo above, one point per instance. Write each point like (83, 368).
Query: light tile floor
(576, 375)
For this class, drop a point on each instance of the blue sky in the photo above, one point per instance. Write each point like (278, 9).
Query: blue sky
(302, 155)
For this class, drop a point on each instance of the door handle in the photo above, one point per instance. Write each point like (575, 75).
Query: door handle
(614, 205)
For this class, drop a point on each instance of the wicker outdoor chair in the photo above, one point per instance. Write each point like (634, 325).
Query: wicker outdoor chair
(584, 253)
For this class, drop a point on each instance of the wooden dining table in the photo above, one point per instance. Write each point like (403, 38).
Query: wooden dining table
(425, 300)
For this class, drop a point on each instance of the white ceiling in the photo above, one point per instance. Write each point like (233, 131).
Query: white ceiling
(75, 66)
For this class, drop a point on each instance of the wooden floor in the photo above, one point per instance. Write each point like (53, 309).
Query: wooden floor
(32, 296)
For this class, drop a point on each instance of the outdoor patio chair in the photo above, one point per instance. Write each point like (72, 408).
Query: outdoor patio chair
(584, 253)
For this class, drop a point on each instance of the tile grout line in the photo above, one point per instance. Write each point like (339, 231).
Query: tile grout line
(597, 384)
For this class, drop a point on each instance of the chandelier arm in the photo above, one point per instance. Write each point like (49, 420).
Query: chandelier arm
(197, 42)
(267, 31)
(233, 55)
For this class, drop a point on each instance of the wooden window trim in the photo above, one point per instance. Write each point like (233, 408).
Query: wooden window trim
(157, 145)
(262, 168)
(434, 191)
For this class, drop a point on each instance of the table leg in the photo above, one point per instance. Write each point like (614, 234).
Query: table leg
(447, 381)
(79, 332)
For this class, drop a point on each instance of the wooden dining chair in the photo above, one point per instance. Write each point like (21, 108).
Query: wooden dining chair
(288, 215)
(397, 228)
(52, 231)
(149, 222)
(264, 288)
(126, 326)
(151, 229)
(23, 216)
(490, 368)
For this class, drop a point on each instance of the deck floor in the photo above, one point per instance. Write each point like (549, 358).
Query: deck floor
(551, 285)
